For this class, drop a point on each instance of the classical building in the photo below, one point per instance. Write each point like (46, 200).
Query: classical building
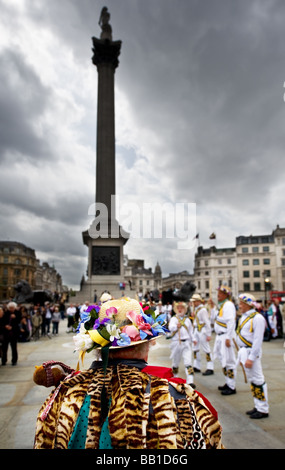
(175, 281)
(213, 267)
(279, 239)
(19, 262)
(141, 279)
(47, 278)
(256, 265)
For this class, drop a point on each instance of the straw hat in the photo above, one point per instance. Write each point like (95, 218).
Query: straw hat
(196, 297)
(177, 304)
(117, 323)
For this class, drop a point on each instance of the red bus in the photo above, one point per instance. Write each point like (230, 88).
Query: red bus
(276, 294)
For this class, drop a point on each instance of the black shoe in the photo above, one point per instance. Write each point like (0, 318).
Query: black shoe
(228, 391)
(250, 412)
(196, 370)
(258, 415)
(222, 387)
(208, 372)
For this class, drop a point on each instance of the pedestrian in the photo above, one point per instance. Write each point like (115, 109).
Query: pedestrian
(121, 402)
(24, 326)
(48, 317)
(272, 319)
(62, 309)
(250, 333)
(56, 316)
(70, 312)
(202, 335)
(225, 323)
(37, 321)
(11, 322)
(181, 335)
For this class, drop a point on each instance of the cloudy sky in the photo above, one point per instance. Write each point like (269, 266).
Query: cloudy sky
(200, 119)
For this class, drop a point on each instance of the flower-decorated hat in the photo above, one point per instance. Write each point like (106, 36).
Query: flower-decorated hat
(247, 299)
(225, 289)
(117, 324)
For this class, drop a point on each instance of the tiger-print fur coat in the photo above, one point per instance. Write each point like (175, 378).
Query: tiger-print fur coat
(143, 413)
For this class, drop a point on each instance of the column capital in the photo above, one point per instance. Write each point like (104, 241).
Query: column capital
(106, 52)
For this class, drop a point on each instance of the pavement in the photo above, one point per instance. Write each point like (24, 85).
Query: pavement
(21, 398)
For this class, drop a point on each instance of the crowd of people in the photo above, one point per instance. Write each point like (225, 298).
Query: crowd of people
(237, 328)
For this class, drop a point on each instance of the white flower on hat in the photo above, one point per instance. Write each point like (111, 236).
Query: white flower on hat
(113, 331)
(82, 340)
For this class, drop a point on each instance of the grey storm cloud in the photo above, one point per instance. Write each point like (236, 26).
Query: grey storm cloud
(22, 101)
(203, 81)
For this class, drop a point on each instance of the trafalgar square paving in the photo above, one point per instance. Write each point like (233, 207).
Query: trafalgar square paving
(21, 398)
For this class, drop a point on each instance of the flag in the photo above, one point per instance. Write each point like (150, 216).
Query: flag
(212, 236)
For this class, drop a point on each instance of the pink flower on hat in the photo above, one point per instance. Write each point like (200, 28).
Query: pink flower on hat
(132, 332)
(138, 321)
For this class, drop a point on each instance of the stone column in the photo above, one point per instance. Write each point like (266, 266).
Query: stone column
(105, 58)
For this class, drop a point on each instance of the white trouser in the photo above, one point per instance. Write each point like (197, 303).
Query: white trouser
(202, 342)
(226, 356)
(272, 320)
(182, 350)
(256, 379)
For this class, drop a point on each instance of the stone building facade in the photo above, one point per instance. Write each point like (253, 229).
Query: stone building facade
(19, 262)
(256, 265)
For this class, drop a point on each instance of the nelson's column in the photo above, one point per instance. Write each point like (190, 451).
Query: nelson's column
(105, 238)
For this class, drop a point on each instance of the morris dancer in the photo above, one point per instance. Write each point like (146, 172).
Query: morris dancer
(250, 332)
(225, 331)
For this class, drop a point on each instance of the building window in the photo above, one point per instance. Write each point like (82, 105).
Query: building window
(257, 286)
(255, 261)
(255, 249)
(266, 261)
(266, 273)
(266, 248)
(246, 286)
(245, 273)
(229, 261)
(256, 274)
(283, 261)
(244, 249)
(207, 284)
(245, 262)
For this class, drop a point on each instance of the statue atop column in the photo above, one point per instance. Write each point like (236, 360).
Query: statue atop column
(104, 23)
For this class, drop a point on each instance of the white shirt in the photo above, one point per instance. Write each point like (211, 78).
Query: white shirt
(202, 317)
(253, 332)
(186, 331)
(227, 320)
(71, 311)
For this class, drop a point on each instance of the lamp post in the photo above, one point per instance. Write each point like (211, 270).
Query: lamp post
(266, 286)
